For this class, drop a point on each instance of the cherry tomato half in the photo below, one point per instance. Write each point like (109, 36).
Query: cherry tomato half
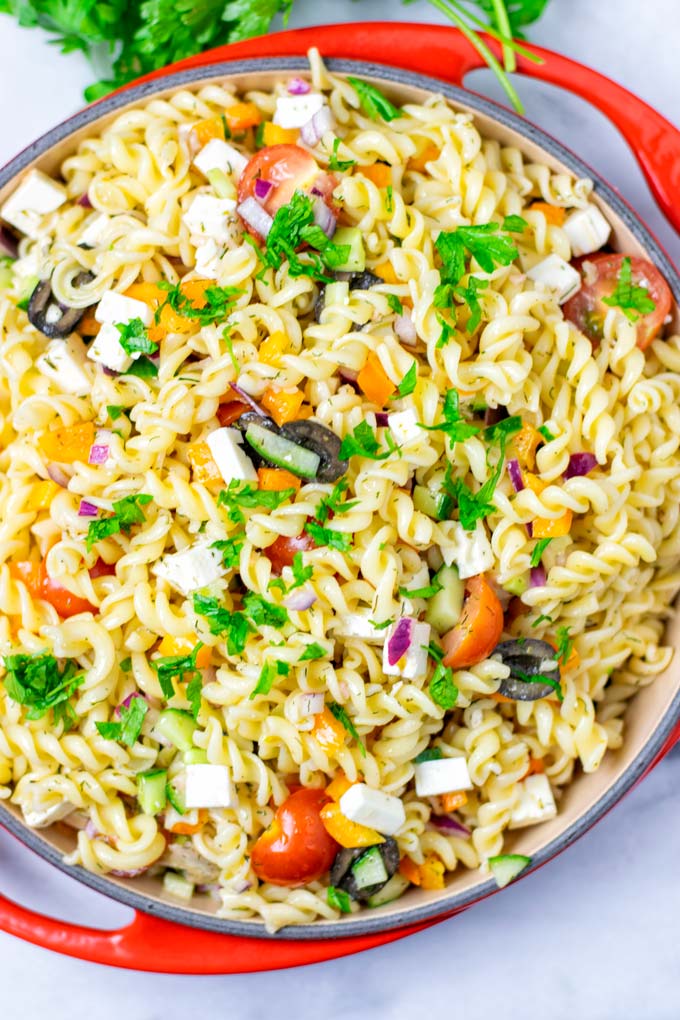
(587, 309)
(296, 848)
(480, 626)
(41, 586)
(288, 168)
(230, 412)
(282, 551)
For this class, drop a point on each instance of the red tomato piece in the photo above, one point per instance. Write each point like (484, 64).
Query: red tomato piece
(587, 309)
(288, 168)
(296, 848)
(282, 551)
(102, 569)
(479, 629)
(230, 412)
(41, 586)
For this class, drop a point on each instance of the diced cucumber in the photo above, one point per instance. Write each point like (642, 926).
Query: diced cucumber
(282, 452)
(356, 260)
(517, 585)
(175, 793)
(478, 405)
(151, 791)
(507, 867)
(195, 756)
(177, 886)
(222, 186)
(7, 274)
(436, 504)
(444, 609)
(369, 869)
(178, 727)
(30, 283)
(392, 890)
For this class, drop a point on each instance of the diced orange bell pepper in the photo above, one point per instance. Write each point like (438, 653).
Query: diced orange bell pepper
(549, 527)
(432, 873)
(273, 134)
(187, 828)
(184, 646)
(374, 381)
(501, 698)
(534, 768)
(453, 801)
(41, 586)
(430, 152)
(573, 659)
(282, 404)
(276, 479)
(533, 482)
(205, 130)
(169, 321)
(68, 444)
(42, 495)
(88, 325)
(338, 786)
(241, 116)
(379, 173)
(409, 870)
(345, 832)
(554, 214)
(328, 732)
(385, 270)
(203, 466)
(272, 348)
(526, 442)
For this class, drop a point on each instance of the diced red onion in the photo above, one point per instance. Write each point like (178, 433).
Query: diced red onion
(242, 886)
(109, 371)
(530, 529)
(248, 399)
(262, 187)
(8, 244)
(493, 415)
(98, 454)
(447, 823)
(313, 131)
(382, 419)
(210, 888)
(130, 698)
(310, 704)
(87, 509)
(538, 577)
(299, 87)
(515, 472)
(58, 476)
(405, 329)
(350, 375)
(580, 464)
(300, 600)
(252, 213)
(400, 642)
(324, 218)
(84, 200)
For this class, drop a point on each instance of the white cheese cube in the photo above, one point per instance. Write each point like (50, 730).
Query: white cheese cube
(195, 567)
(106, 349)
(404, 427)
(207, 217)
(414, 663)
(209, 786)
(557, 275)
(470, 550)
(377, 810)
(228, 454)
(94, 230)
(208, 256)
(116, 308)
(587, 230)
(39, 816)
(64, 361)
(294, 111)
(36, 196)
(443, 775)
(358, 625)
(536, 803)
(218, 155)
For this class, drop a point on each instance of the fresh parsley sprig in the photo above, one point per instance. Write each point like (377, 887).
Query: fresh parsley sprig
(126, 512)
(217, 304)
(374, 102)
(39, 683)
(343, 718)
(169, 668)
(452, 423)
(134, 338)
(633, 299)
(239, 496)
(363, 442)
(270, 671)
(131, 721)
(294, 226)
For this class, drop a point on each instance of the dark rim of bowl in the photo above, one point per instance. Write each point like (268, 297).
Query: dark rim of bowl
(448, 904)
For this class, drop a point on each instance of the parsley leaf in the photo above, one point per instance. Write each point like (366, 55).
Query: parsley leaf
(269, 673)
(130, 725)
(452, 421)
(514, 224)
(408, 383)
(339, 164)
(373, 102)
(443, 691)
(540, 678)
(134, 338)
(502, 430)
(313, 651)
(38, 682)
(142, 368)
(334, 504)
(395, 304)
(483, 242)
(219, 618)
(328, 537)
(194, 692)
(126, 512)
(171, 667)
(301, 573)
(341, 715)
(126, 664)
(339, 899)
(243, 495)
(429, 754)
(422, 593)
(230, 549)
(263, 613)
(217, 303)
(293, 226)
(115, 411)
(542, 619)
(364, 443)
(475, 506)
(631, 298)
(546, 433)
(538, 551)
(565, 645)
(469, 295)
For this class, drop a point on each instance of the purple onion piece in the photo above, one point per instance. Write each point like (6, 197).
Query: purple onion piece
(299, 87)
(313, 131)
(493, 415)
(58, 475)
(98, 454)
(300, 600)
(8, 244)
(87, 509)
(580, 464)
(530, 529)
(248, 399)
(84, 200)
(262, 187)
(324, 218)
(405, 329)
(400, 641)
(257, 218)
(447, 823)
(350, 375)
(515, 473)
(382, 419)
(109, 371)
(538, 577)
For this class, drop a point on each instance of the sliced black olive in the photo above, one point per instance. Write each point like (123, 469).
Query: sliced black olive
(51, 317)
(323, 442)
(528, 657)
(348, 866)
(253, 418)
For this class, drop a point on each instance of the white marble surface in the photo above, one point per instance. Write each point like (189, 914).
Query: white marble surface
(593, 936)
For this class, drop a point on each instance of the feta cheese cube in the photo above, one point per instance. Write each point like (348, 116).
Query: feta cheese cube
(470, 550)
(557, 275)
(358, 625)
(209, 786)
(36, 196)
(39, 816)
(106, 349)
(94, 230)
(64, 361)
(587, 230)
(218, 155)
(294, 111)
(207, 217)
(414, 663)
(536, 803)
(377, 810)
(404, 427)
(227, 451)
(195, 567)
(443, 775)
(115, 308)
(208, 257)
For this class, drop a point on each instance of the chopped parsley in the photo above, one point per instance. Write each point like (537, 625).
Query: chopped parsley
(539, 678)
(339, 164)
(429, 754)
(339, 899)
(422, 593)
(38, 682)
(294, 226)
(381, 626)
(328, 537)
(194, 693)
(341, 715)
(130, 726)
(334, 503)
(313, 651)
(263, 613)
(395, 304)
(271, 669)
(565, 645)
(514, 225)
(476, 506)
(484, 242)
(470, 295)
(452, 422)
(126, 664)
(230, 549)
(301, 574)
(175, 667)
(443, 691)
(373, 102)
(364, 443)
(631, 298)
(389, 198)
(143, 368)
(546, 433)
(219, 618)
(243, 495)
(134, 338)
(408, 383)
(236, 627)
(502, 430)
(542, 619)
(218, 303)
(126, 512)
(539, 549)
(436, 651)
(115, 411)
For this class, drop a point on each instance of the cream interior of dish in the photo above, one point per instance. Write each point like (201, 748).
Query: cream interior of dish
(610, 579)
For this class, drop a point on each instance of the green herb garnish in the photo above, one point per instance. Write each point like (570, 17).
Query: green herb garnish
(38, 682)
(130, 726)
(134, 338)
(540, 678)
(443, 691)
(408, 383)
(565, 645)
(142, 368)
(339, 164)
(294, 226)
(452, 423)
(329, 538)
(339, 899)
(244, 495)
(429, 754)
(271, 669)
(313, 651)
(175, 667)
(538, 551)
(218, 303)
(126, 512)
(546, 433)
(373, 102)
(631, 298)
(364, 443)
(395, 304)
(341, 715)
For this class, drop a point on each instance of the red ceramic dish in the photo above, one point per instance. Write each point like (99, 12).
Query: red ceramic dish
(445, 54)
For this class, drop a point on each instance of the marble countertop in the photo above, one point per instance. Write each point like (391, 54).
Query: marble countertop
(595, 934)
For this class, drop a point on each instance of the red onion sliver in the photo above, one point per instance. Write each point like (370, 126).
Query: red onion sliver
(313, 131)
(538, 577)
(58, 476)
(405, 329)
(84, 200)
(324, 218)
(8, 244)
(299, 87)
(580, 464)
(248, 399)
(515, 472)
(382, 419)
(135, 873)
(98, 454)
(493, 415)
(400, 641)
(252, 213)
(126, 703)
(262, 187)
(350, 375)
(449, 824)
(300, 600)
(87, 509)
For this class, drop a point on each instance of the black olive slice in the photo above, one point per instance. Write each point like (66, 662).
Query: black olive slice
(528, 657)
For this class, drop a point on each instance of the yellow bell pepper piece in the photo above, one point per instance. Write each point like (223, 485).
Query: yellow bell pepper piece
(374, 381)
(385, 270)
(547, 527)
(203, 466)
(42, 495)
(328, 732)
(272, 348)
(273, 134)
(345, 832)
(184, 646)
(338, 786)
(68, 444)
(431, 873)
(282, 405)
(526, 442)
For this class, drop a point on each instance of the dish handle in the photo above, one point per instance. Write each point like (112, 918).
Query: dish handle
(444, 53)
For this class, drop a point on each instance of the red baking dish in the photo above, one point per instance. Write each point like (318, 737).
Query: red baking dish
(398, 56)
